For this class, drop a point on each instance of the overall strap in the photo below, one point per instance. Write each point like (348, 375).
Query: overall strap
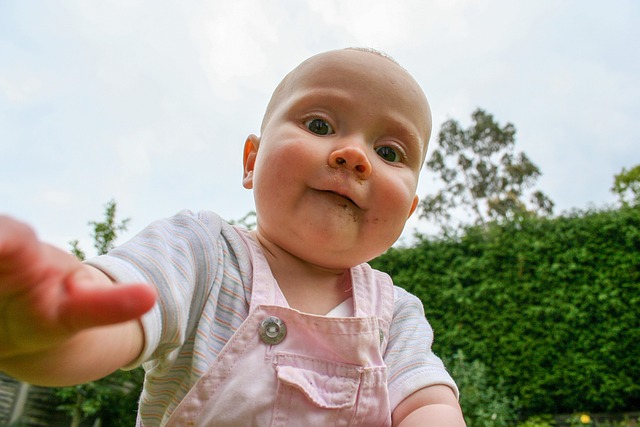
(373, 295)
(265, 289)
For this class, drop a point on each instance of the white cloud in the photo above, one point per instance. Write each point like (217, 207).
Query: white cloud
(56, 197)
(375, 23)
(232, 37)
(134, 153)
(20, 90)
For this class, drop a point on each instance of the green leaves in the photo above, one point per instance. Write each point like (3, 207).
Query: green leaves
(483, 404)
(105, 232)
(549, 306)
(626, 185)
(482, 178)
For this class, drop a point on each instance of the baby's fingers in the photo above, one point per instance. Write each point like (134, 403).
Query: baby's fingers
(20, 254)
(86, 308)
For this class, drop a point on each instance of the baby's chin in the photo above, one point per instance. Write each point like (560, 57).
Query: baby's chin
(332, 258)
(329, 245)
(350, 254)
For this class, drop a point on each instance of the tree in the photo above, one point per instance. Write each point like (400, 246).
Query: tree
(113, 398)
(626, 185)
(249, 221)
(104, 233)
(482, 176)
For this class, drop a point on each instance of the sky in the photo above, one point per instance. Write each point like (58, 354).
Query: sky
(148, 103)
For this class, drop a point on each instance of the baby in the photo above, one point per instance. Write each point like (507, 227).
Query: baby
(286, 325)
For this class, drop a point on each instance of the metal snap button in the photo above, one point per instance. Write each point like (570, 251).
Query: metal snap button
(272, 330)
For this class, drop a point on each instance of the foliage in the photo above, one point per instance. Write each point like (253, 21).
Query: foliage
(121, 398)
(550, 306)
(483, 404)
(584, 419)
(538, 421)
(249, 221)
(76, 250)
(113, 399)
(580, 420)
(481, 175)
(104, 233)
(626, 185)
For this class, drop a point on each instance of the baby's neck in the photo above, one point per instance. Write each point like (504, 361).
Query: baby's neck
(307, 287)
(315, 296)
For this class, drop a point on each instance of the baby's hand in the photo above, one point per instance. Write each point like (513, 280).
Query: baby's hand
(47, 296)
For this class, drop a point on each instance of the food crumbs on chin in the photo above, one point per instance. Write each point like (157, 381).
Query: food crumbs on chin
(348, 210)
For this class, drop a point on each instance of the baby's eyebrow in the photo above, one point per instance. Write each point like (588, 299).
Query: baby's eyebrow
(406, 132)
(321, 96)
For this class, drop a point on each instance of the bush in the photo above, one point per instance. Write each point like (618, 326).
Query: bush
(538, 421)
(483, 405)
(550, 306)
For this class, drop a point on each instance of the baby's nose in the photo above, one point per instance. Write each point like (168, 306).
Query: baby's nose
(351, 157)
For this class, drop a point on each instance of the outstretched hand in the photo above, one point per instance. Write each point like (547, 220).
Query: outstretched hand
(47, 296)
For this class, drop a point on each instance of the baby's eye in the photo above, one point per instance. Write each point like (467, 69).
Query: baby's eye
(388, 153)
(319, 126)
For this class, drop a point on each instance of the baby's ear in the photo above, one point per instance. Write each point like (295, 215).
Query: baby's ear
(249, 160)
(414, 205)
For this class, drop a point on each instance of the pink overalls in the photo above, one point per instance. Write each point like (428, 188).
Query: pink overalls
(287, 368)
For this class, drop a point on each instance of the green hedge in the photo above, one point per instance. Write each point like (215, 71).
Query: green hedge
(550, 306)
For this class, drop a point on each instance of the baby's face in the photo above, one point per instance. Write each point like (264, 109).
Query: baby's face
(336, 167)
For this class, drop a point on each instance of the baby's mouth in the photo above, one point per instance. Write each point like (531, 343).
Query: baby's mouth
(342, 196)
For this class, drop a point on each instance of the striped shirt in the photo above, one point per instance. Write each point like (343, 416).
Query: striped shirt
(203, 274)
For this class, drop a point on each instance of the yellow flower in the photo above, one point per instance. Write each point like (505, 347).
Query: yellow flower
(585, 419)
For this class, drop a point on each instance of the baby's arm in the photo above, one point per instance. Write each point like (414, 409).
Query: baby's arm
(62, 322)
(431, 406)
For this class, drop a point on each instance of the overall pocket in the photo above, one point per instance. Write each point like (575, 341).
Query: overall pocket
(314, 392)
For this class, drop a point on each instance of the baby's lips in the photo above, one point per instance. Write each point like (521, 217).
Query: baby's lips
(345, 191)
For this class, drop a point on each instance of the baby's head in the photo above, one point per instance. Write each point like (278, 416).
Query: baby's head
(314, 64)
(336, 167)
